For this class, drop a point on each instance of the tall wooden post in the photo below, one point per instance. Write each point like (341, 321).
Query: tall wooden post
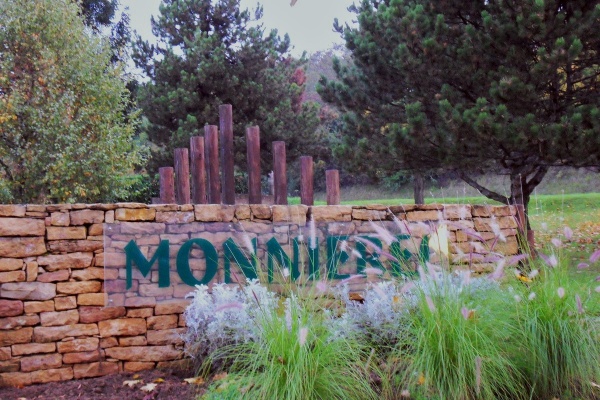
(307, 196)
(167, 185)
(253, 155)
(279, 173)
(332, 181)
(227, 165)
(211, 148)
(182, 176)
(198, 170)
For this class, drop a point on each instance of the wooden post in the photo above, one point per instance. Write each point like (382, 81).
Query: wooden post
(226, 130)
(198, 170)
(307, 195)
(211, 148)
(182, 176)
(279, 173)
(521, 221)
(332, 181)
(167, 185)
(253, 155)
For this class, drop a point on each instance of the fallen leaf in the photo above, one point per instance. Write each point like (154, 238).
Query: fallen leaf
(149, 387)
(159, 380)
(220, 376)
(131, 383)
(136, 376)
(246, 388)
(195, 381)
(421, 379)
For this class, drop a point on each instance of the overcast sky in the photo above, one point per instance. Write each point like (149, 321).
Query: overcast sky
(309, 22)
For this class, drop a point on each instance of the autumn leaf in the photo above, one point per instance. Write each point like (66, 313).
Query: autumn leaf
(149, 387)
(195, 381)
(220, 376)
(159, 380)
(132, 383)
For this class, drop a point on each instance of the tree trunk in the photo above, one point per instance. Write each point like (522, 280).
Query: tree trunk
(419, 188)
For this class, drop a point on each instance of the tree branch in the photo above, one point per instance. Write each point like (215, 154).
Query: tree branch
(484, 191)
(536, 179)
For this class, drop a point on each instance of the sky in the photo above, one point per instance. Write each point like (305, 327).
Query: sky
(309, 22)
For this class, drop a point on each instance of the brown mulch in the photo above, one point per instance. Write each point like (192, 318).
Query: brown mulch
(172, 387)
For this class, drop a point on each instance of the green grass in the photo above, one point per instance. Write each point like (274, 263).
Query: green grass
(297, 358)
(454, 355)
(558, 338)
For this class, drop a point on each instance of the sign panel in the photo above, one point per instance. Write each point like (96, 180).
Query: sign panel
(147, 263)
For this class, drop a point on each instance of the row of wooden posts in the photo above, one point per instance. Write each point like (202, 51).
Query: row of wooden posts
(212, 180)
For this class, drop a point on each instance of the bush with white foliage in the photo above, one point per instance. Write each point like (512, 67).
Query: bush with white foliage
(225, 316)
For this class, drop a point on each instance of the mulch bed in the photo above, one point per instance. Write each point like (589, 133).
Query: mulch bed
(170, 385)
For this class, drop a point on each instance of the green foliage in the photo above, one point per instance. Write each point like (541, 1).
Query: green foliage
(504, 86)
(296, 357)
(455, 346)
(560, 341)
(140, 188)
(64, 132)
(211, 53)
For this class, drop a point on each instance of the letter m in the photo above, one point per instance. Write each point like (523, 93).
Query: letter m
(134, 255)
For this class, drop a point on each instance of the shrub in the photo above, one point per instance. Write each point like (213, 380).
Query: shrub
(560, 352)
(225, 317)
(297, 357)
(454, 347)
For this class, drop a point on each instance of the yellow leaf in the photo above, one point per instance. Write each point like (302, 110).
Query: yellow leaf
(159, 380)
(195, 381)
(421, 379)
(136, 376)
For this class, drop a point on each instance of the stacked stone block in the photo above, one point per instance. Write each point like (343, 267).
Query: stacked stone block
(53, 323)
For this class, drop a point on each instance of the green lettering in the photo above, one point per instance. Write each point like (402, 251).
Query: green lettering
(183, 262)
(275, 253)
(336, 258)
(367, 256)
(424, 250)
(232, 252)
(313, 258)
(134, 255)
(403, 255)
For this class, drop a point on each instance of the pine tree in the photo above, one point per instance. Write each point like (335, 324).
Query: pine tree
(506, 86)
(99, 15)
(211, 53)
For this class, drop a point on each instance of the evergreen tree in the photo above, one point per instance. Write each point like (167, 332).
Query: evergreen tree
(210, 52)
(505, 86)
(100, 14)
(64, 132)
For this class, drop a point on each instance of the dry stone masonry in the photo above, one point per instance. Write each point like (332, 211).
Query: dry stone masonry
(53, 323)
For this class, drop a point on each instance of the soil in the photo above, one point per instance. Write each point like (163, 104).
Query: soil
(172, 387)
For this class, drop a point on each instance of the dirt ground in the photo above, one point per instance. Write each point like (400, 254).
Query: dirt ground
(170, 385)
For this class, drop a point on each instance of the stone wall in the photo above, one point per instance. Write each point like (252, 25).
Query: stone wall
(53, 323)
